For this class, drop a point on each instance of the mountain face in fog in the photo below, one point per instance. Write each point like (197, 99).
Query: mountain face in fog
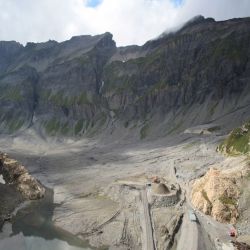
(198, 74)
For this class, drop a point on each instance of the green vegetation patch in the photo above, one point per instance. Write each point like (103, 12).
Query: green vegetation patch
(61, 99)
(212, 108)
(52, 126)
(95, 125)
(175, 128)
(65, 128)
(231, 48)
(238, 142)
(204, 194)
(190, 145)
(11, 94)
(227, 200)
(144, 131)
(55, 127)
(14, 125)
(79, 127)
(83, 99)
(248, 175)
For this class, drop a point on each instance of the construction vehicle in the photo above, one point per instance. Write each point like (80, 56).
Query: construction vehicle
(232, 232)
(192, 216)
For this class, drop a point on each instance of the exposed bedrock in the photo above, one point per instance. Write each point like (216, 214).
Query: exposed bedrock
(16, 175)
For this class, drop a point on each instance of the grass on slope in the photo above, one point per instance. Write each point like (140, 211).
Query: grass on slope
(238, 142)
(227, 200)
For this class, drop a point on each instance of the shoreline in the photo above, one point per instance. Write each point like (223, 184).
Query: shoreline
(10, 200)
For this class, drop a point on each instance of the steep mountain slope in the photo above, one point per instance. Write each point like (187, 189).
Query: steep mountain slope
(50, 83)
(196, 75)
(204, 64)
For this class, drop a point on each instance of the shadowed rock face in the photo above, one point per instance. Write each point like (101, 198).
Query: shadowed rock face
(8, 51)
(17, 175)
(80, 85)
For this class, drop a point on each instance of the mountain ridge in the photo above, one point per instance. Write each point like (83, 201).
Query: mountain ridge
(87, 84)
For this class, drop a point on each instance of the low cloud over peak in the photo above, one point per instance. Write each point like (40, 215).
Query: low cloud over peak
(131, 21)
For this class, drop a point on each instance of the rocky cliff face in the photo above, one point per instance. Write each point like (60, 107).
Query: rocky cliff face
(195, 75)
(202, 61)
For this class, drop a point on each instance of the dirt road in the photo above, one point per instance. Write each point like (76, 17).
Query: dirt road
(148, 224)
(189, 235)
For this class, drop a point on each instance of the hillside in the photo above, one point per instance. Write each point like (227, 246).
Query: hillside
(238, 141)
(197, 75)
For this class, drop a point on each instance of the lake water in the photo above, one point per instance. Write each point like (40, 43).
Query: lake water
(32, 229)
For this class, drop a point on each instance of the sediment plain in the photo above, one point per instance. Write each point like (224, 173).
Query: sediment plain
(97, 184)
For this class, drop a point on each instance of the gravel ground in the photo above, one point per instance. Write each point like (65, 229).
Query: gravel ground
(81, 173)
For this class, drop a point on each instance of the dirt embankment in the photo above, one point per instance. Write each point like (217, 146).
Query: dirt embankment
(217, 194)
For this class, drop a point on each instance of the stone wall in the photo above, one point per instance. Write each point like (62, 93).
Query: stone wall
(157, 200)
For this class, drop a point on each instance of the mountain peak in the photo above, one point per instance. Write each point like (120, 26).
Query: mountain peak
(199, 19)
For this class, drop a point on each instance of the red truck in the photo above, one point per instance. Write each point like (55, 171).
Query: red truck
(232, 232)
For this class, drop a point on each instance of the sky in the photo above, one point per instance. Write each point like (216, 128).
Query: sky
(130, 21)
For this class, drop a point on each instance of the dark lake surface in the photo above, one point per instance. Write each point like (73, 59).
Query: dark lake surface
(32, 228)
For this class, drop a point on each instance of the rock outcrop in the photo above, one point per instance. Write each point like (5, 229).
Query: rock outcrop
(18, 176)
(217, 194)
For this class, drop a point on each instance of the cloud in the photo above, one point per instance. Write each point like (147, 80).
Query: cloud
(131, 21)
